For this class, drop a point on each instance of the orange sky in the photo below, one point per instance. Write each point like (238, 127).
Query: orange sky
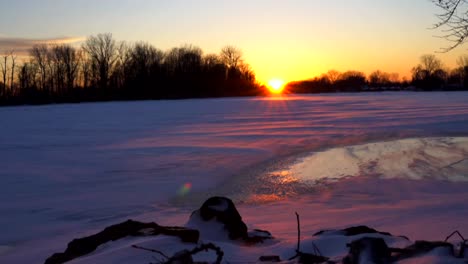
(290, 40)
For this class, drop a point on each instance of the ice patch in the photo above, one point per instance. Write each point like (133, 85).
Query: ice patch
(417, 158)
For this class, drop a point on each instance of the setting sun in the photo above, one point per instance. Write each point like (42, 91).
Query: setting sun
(276, 86)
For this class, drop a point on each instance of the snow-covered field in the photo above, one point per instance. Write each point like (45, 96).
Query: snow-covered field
(394, 161)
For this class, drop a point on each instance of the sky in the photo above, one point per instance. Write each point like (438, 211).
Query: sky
(289, 40)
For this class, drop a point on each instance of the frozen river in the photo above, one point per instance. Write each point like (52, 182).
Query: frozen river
(70, 168)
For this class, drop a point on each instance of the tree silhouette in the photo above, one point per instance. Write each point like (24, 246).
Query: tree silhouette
(231, 57)
(27, 76)
(351, 81)
(429, 74)
(458, 78)
(39, 55)
(103, 69)
(12, 70)
(379, 79)
(332, 76)
(4, 72)
(102, 53)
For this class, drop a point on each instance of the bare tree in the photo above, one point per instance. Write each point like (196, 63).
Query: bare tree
(185, 59)
(65, 65)
(102, 51)
(85, 69)
(429, 74)
(430, 63)
(57, 68)
(379, 78)
(27, 75)
(453, 21)
(461, 72)
(4, 72)
(332, 76)
(211, 60)
(13, 58)
(143, 57)
(231, 56)
(121, 64)
(39, 54)
(247, 72)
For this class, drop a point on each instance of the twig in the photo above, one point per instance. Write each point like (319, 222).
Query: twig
(456, 233)
(463, 245)
(151, 250)
(298, 232)
(316, 250)
(298, 252)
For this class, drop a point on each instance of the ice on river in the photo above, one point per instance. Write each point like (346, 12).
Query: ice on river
(391, 160)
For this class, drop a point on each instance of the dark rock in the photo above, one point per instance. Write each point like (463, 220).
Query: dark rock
(422, 247)
(374, 250)
(356, 230)
(225, 212)
(82, 246)
(269, 259)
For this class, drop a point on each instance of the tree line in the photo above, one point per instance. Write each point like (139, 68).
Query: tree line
(104, 69)
(429, 75)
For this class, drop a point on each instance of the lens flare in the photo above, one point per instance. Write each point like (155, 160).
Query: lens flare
(185, 189)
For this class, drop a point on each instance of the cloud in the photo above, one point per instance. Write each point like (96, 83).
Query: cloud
(21, 46)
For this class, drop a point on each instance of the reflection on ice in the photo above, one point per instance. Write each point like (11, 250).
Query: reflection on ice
(430, 158)
(420, 158)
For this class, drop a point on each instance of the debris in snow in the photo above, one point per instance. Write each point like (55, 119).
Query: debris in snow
(82, 246)
(220, 216)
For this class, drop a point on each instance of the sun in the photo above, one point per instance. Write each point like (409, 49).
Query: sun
(276, 86)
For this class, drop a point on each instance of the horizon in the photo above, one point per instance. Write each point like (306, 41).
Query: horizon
(286, 41)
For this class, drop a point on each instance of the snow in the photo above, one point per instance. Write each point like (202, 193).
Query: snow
(393, 161)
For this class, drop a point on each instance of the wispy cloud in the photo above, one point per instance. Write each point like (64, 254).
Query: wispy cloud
(21, 46)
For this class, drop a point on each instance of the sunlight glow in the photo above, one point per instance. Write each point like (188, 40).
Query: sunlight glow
(276, 86)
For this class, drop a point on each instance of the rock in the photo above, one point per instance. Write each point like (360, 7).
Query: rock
(269, 259)
(222, 211)
(82, 246)
(423, 247)
(356, 230)
(368, 250)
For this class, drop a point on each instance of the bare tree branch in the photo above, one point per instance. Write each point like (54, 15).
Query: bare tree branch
(453, 22)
